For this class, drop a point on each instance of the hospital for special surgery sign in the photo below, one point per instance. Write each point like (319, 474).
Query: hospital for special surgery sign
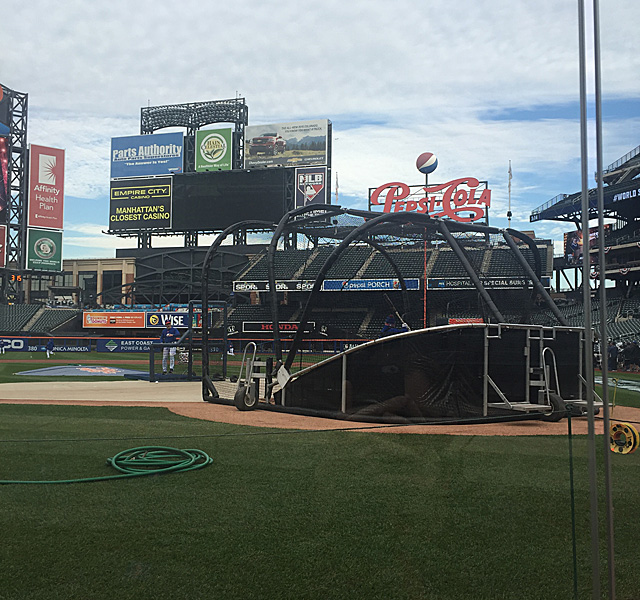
(46, 187)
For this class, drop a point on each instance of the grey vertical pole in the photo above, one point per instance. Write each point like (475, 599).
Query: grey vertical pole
(603, 303)
(586, 294)
(344, 383)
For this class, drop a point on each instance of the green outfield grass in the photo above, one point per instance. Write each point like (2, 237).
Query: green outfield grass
(27, 361)
(290, 515)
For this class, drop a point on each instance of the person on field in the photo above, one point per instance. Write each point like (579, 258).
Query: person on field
(169, 335)
(49, 348)
(390, 326)
(613, 357)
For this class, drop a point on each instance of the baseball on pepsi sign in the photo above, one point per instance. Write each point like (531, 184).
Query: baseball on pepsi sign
(427, 163)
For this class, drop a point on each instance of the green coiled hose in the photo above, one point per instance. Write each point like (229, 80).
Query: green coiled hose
(145, 460)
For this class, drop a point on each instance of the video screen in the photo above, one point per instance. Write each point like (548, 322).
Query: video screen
(216, 200)
(573, 245)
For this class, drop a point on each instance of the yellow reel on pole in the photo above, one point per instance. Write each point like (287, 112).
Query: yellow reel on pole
(623, 438)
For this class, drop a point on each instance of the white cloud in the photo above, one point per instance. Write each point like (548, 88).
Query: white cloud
(396, 79)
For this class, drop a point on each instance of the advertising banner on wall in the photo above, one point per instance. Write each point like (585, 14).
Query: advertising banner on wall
(311, 186)
(46, 187)
(124, 345)
(290, 285)
(160, 319)
(3, 246)
(44, 250)
(147, 155)
(140, 203)
(284, 326)
(113, 320)
(491, 283)
(214, 149)
(302, 143)
(368, 285)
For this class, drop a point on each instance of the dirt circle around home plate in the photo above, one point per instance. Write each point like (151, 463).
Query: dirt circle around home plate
(184, 398)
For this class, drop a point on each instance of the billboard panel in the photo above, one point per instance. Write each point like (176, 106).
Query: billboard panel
(573, 245)
(44, 250)
(160, 319)
(215, 200)
(4, 179)
(5, 132)
(113, 320)
(302, 143)
(290, 285)
(3, 246)
(214, 149)
(5, 117)
(147, 155)
(490, 283)
(311, 186)
(284, 326)
(46, 187)
(140, 204)
(368, 285)
(124, 345)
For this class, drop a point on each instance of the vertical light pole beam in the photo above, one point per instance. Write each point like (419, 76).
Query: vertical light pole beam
(603, 302)
(424, 250)
(586, 294)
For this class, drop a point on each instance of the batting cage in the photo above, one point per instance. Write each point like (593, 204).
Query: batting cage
(182, 360)
(387, 284)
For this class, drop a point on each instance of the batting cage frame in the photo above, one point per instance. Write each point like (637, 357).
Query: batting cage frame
(408, 376)
(190, 346)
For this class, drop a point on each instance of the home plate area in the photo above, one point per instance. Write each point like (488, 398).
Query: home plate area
(82, 371)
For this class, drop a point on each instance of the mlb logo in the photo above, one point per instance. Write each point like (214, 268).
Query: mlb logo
(310, 186)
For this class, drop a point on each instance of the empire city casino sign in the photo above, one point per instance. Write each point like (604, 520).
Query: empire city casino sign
(466, 199)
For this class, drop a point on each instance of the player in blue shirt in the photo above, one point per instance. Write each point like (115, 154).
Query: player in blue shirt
(169, 335)
(390, 327)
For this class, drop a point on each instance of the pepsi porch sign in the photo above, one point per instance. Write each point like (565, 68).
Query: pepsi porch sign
(368, 285)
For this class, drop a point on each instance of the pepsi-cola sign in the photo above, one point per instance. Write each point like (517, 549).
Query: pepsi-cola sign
(465, 199)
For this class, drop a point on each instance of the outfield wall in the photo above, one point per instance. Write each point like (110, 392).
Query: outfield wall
(115, 345)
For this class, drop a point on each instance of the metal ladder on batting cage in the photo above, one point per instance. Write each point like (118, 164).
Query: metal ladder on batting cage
(252, 372)
(538, 382)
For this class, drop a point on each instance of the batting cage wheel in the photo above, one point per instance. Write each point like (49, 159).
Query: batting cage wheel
(244, 399)
(558, 409)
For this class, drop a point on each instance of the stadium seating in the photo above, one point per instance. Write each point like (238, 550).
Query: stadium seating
(349, 263)
(409, 261)
(52, 318)
(504, 264)
(447, 263)
(15, 317)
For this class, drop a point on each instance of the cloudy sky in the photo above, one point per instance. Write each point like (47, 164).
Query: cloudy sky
(478, 83)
